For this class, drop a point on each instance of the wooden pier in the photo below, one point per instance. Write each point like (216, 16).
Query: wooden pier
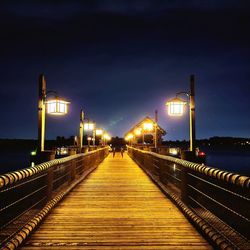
(116, 207)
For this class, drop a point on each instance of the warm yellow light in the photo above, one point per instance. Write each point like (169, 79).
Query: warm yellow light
(88, 126)
(175, 107)
(138, 131)
(129, 137)
(89, 138)
(107, 137)
(173, 151)
(57, 107)
(99, 132)
(148, 126)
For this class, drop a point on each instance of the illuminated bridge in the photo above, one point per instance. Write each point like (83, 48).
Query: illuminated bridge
(140, 201)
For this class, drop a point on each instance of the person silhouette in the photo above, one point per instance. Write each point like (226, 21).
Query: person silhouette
(122, 151)
(113, 150)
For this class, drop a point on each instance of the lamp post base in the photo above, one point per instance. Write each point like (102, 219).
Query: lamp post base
(193, 157)
(43, 156)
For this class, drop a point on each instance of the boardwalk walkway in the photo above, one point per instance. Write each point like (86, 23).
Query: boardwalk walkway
(116, 207)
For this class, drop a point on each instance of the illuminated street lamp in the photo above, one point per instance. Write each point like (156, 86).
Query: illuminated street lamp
(99, 133)
(129, 138)
(81, 129)
(106, 137)
(55, 106)
(176, 108)
(90, 126)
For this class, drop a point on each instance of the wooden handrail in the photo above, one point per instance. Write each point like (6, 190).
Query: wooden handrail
(219, 199)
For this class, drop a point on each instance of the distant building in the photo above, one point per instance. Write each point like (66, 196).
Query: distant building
(144, 133)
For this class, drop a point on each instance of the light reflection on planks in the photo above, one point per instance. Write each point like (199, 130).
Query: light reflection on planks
(116, 207)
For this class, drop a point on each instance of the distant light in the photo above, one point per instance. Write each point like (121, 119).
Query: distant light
(33, 153)
(148, 126)
(107, 137)
(173, 151)
(99, 132)
(88, 126)
(201, 153)
(89, 138)
(129, 137)
(138, 131)
(176, 106)
(62, 151)
(174, 167)
(57, 107)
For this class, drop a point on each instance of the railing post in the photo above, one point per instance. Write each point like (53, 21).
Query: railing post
(184, 184)
(50, 177)
(73, 170)
(162, 170)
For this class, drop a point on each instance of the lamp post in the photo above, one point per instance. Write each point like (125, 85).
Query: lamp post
(94, 133)
(81, 130)
(156, 127)
(99, 132)
(90, 126)
(129, 138)
(54, 106)
(176, 108)
(107, 137)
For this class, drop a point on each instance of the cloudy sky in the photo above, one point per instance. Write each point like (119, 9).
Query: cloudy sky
(120, 60)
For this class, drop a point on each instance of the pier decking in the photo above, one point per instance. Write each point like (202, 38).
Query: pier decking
(116, 207)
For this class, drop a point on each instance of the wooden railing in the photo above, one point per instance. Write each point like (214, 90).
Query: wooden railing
(217, 202)
(27, 195)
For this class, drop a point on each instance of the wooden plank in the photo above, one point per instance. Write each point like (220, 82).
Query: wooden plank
(116, 207)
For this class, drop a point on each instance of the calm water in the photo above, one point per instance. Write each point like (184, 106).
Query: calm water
(11, 161)
(233, 161)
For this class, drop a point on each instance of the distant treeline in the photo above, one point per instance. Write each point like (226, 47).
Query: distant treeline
(214, 142)
(24, 144)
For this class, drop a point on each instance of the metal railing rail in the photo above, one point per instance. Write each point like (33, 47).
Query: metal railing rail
(207, 195)
(25, 193)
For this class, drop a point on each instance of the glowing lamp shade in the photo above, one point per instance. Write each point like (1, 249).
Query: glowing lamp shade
(88, 126)
(99, 132)
(57, 107)
(107, 137)
(176, 107)
(148, 126)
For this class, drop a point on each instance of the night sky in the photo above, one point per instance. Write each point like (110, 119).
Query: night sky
(121, 60)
